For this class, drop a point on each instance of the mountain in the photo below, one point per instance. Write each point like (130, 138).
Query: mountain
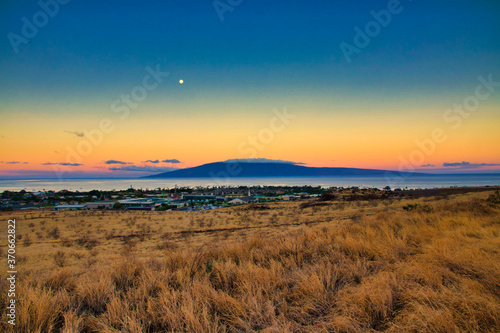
(235, 169)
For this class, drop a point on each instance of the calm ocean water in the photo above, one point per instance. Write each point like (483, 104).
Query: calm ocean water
(431, 181)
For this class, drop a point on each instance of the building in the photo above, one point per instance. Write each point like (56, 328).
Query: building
(291, 197)
(198, 198)
(242, 200)
(100, 204)
(178, 204)
(140, 204)
(236, 201)
(143, 207)
(70, 207)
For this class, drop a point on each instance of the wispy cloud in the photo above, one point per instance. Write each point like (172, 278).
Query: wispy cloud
(260, 160)
(173, 161)
(467, 165)
(427, 165)
(14, 162)
(64, 164)
(151, 161)
(77, 133)
(146, 168)
(116, 162)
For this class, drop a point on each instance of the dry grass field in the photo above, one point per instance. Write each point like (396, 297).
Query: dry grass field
(429, 264)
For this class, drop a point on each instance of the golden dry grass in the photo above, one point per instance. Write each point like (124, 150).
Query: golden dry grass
(346, 267)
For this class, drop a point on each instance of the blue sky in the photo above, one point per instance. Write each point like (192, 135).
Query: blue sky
(105, 42)
(263, 55)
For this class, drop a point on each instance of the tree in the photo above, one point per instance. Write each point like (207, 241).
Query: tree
(118, 206)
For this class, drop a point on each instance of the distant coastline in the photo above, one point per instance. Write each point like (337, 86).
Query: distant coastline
(87, 184)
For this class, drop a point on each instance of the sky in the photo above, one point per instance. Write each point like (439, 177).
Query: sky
(92, 89)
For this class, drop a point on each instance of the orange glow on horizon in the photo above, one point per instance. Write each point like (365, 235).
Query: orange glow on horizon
(319, 139)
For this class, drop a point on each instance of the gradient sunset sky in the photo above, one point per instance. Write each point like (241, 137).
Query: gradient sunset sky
(419, 90)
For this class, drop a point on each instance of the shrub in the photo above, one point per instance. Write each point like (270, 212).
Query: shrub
(410, 207)
(60, 258)
(66, 242)
(494, 199)
(27, 240)
(88, 242)
(328, 196)
(54, 233)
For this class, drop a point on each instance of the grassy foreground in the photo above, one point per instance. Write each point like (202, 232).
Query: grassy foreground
(334, 266)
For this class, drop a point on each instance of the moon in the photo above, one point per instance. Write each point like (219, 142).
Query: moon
(181, 81)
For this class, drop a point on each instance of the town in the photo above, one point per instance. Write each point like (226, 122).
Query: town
(160, 199)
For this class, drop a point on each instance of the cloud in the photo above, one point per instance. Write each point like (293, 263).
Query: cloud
(71, 164)
(116, 162)
(146, 168)
(427, 165)
(14, 162)
(260, 160)
(151, 161)
(467, 165)
(173, 161)
(64, 164)
(78, 134)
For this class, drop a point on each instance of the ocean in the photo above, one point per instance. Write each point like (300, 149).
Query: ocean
(431, 181)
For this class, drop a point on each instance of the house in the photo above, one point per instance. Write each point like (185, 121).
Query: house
(70, 207)
(248, 199)
(178, 204)
(236, 201)
(242, 200)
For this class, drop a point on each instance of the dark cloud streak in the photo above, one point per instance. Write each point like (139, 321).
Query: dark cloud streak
(63, 164)
(467, 165)
(261, 160)
(173, 161)
(79, 134)
(116, 162)
(146, 168)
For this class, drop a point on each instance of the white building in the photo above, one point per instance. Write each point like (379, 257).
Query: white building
(70, 207)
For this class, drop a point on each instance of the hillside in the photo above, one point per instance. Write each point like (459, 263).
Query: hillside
(428, 264)
(227, 169)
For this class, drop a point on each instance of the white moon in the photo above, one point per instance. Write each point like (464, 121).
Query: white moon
(181, 81)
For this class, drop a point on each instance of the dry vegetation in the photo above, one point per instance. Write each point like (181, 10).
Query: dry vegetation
(429, 264)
